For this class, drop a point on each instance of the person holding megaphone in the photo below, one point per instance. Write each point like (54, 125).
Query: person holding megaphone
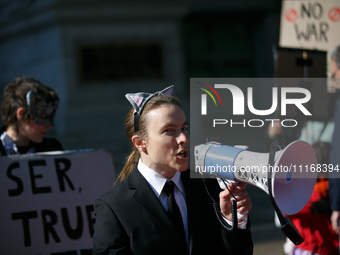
(155, 208)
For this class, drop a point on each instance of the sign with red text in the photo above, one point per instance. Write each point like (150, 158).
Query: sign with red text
(310, 24)
(47, 200)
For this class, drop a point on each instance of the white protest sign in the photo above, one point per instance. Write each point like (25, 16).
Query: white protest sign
(47, 200)
(310, 24)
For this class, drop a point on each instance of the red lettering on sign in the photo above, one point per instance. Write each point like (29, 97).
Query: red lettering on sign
(334, 14)
(291, 15)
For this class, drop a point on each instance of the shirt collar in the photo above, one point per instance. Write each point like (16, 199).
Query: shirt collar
(157, 180)
(10, 147)
(8, 144)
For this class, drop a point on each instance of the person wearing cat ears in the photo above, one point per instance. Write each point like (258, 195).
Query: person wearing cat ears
(154, 207)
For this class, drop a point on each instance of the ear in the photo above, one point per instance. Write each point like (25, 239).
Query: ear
(20, 113)
(139, 143)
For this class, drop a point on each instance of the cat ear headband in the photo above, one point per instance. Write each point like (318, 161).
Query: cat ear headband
(139, 100)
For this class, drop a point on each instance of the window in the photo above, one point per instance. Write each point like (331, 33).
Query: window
(112, 62)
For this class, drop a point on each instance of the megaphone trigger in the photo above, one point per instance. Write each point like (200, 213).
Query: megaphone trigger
(224, 182)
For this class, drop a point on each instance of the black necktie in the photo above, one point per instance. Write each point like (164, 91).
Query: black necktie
(173, 210)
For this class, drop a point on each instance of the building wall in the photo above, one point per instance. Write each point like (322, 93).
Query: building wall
(99, 107)
(197, 38)
(42, 39)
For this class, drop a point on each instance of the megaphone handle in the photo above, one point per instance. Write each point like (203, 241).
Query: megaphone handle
(217, 210)
(222, 221)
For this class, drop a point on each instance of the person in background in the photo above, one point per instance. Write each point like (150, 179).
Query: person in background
(334, 181)
(313, 221)
(138, 216)
(28, 109)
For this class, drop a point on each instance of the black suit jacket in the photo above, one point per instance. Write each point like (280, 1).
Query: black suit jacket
(131, 220)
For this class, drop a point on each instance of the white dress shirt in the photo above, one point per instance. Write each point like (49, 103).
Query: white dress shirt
(157, 181)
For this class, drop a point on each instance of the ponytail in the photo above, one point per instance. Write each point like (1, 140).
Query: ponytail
(131, 162)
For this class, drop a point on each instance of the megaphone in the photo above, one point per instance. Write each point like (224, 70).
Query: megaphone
(293, 173)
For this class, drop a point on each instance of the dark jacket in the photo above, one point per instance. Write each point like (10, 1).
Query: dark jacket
(334, 160)
(131, 220)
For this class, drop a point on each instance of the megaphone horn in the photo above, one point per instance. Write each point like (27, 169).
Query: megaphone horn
(293, 178)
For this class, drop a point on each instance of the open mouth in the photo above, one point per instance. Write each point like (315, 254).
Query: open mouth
(183, 154)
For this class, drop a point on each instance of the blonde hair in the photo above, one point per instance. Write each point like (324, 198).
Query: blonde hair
(154, 103)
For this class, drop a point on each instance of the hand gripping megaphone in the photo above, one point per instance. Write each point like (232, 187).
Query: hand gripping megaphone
(289, 179)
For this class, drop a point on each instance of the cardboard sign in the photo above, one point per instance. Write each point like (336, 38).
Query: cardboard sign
(310, 24)
(47, 200)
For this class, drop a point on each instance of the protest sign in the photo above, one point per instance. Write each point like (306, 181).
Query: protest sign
(47, 200)
(310, 24)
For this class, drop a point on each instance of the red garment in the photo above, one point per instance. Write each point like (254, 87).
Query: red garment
(316, 229)
(322, 187)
